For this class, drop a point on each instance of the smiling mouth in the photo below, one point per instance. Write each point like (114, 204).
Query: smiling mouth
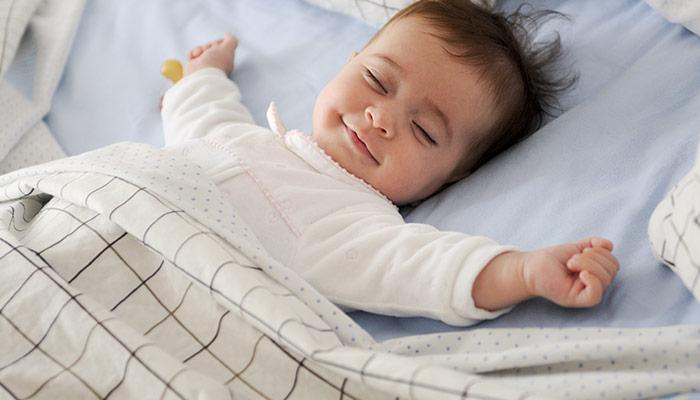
(358, 143)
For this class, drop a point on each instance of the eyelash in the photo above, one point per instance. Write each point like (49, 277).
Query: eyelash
(426, 134)
(375, 82)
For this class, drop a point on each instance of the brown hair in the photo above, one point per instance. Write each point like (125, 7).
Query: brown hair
(519, 72)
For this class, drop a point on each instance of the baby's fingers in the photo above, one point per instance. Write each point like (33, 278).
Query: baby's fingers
(587, 262)
(593, 242)
(229, 40)
(194, 53)
(603, 258)
(592, 294)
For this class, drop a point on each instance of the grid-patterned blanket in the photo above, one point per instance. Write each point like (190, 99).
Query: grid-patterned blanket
(674, 229)
(109, 289)
(125, 274)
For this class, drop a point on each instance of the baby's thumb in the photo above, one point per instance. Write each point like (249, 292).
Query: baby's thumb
(230, 40)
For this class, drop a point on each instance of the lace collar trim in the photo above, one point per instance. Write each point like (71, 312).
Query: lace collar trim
(310, 151)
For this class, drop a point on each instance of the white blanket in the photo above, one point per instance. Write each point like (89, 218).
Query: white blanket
(674, 229)
(35, 38)
(115, 283)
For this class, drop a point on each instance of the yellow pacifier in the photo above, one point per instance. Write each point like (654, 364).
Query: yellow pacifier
(172, 69)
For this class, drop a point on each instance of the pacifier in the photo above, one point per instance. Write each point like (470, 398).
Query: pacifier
(172, 69)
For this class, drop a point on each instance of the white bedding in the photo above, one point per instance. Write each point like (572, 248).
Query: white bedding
(30, 70)
(674, 229)
(684, 12)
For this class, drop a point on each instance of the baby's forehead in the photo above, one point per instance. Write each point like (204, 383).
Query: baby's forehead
(408, 23)
(412, 33)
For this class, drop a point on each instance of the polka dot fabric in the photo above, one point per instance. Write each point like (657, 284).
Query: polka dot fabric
(40, 34)
(15, 16)
(35, 146)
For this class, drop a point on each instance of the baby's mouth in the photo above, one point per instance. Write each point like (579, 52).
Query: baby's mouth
(359, 144)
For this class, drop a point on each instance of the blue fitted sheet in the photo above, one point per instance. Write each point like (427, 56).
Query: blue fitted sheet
(629, 133)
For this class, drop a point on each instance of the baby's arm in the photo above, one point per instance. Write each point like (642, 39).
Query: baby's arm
(368, 258)
(571, 275)
(205, 100)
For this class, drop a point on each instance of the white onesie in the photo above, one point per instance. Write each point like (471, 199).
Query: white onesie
(336, 231)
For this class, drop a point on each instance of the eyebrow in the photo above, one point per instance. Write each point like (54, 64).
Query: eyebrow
(393, 64)
(432, 106)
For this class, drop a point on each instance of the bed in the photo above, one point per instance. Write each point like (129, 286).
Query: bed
(86, 76)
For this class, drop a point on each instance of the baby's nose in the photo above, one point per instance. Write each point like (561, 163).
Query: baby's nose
(379, 120)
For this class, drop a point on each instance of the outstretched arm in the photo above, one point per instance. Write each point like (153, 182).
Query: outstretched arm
(571, 275)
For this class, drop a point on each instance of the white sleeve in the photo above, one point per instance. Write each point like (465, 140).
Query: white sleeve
(201, 103)
(374, 261)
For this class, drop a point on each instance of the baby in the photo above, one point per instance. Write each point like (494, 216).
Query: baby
(439, 90)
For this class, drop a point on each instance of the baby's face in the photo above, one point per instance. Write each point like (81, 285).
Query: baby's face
(403, 114)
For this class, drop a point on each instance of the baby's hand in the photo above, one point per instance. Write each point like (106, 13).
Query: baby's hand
(217, 54)
(571, 275)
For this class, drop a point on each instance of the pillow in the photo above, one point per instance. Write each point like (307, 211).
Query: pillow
(684, 12)
(674, 229)
(14, 18)
(373, 12)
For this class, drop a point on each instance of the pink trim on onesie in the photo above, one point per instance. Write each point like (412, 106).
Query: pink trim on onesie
(276, 125)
